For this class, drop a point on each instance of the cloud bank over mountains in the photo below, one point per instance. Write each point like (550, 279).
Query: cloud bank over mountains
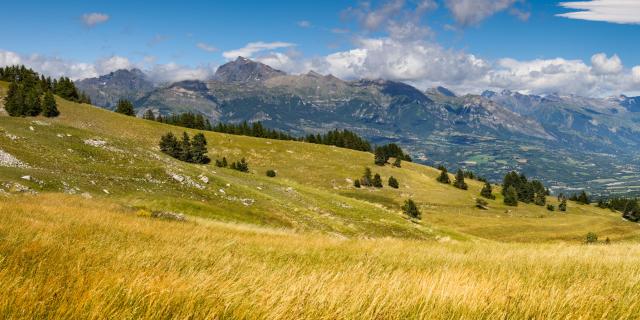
(395, 43)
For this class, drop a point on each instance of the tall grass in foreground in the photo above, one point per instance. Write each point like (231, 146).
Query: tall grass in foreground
(64, 257)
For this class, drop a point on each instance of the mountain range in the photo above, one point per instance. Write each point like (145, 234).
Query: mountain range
(568, 141)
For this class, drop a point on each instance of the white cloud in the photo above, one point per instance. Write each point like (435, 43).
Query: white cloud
(603, 65)
(92, 19)
(107, 65)
(206, 47)
(635, 73)
(172, 72)
(254, 47)
(471, 12)
(614, 11)
(304, 24)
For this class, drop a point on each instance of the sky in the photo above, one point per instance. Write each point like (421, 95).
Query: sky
(583, 47)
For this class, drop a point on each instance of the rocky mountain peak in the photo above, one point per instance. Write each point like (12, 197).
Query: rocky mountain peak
(246, 70)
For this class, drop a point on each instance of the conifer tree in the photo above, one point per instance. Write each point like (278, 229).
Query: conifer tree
(185, 148)
(393, 183)
(33, 107)
(380, 158)
(511, 196)
(125, 107)
(487, 191)
(356, 183)
(199, 149)
(367, 178)
(169, 145)
(397, 163)
(409, 208)
(459, 181)
(14, 100)
(563, 205)
(49, 105)
(148, 115)
(444, 176)
(377, 181)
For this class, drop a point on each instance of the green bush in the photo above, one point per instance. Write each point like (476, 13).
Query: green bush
(271, 173)
(409, 208)
(591, 238)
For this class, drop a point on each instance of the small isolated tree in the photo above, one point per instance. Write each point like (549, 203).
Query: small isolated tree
(148, 115)
(356, 183)
(397, 163)
(49, 105)
(125, 107)
(393, 183)
(199, 149)
(444, 176)
(459, 182)
(583, 198)
(511, 196)
(367, 178)
(563, 205)
(377, 181)
(409, 208)
(222, 163)
(380, 158)
(271, 173)
(487, 191)
(551, 207)
(540, 198)
(591, 238)
(241, 165)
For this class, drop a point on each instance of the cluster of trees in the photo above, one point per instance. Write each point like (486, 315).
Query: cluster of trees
(382, 154)
(31, 94)
(241, 165)
(630, 208)
(409, 208)
(125, 107)
(458, 182)
(374, 180)
(188, 150)
(516, 187)
(581, 198)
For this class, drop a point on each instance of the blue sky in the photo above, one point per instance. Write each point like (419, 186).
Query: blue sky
(498, 42)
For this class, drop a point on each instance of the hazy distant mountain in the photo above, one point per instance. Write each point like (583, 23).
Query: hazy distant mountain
(107, 89)
(565, 140)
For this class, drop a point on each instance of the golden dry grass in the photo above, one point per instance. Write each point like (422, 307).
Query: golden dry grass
(67, 257)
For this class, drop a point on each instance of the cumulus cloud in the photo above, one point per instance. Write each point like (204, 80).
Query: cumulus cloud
(614, 11)
(92, 19)
(635, 73)
(255, 47)
(603, 65)
(304, 24)
(57, 67)
(471, 12)
(206, 47)
(399, 18)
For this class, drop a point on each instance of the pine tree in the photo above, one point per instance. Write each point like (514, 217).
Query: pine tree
(185, 148)
(199, 149)
(33, 107)
(409, 208)
(148, 115)
(540, 199)
(397, 163)
(125, 107)
(393, 183)
(14, 100)
(49, 105)
(380, 158)
(444, 176)
(511, 196)
(367, 179)
(459, 181)
(487, 191)
(563, 205)
(169, 145)
(377, 181)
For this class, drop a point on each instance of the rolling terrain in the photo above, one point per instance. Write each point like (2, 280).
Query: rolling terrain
(78, 237)
(570, 142)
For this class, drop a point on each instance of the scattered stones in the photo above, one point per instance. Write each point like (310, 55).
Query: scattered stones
(222, 191)
(95, 142)
(32, 128)
(12, 137)
(105, 191)
(203, 178)
(228, 185)
(177, 177)
(86, 195)
(168, 215)
(28, 178)
(7, 160)
(60, 135)
(289, 189)
(41, 123)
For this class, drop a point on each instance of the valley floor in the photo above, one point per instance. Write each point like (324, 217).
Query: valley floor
(63, 256)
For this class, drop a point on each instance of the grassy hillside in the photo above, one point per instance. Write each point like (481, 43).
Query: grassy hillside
(76, 239)
(68, 257)
(100, 154)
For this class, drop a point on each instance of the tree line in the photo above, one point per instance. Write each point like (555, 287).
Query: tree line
(31, 94)
(187, 150)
